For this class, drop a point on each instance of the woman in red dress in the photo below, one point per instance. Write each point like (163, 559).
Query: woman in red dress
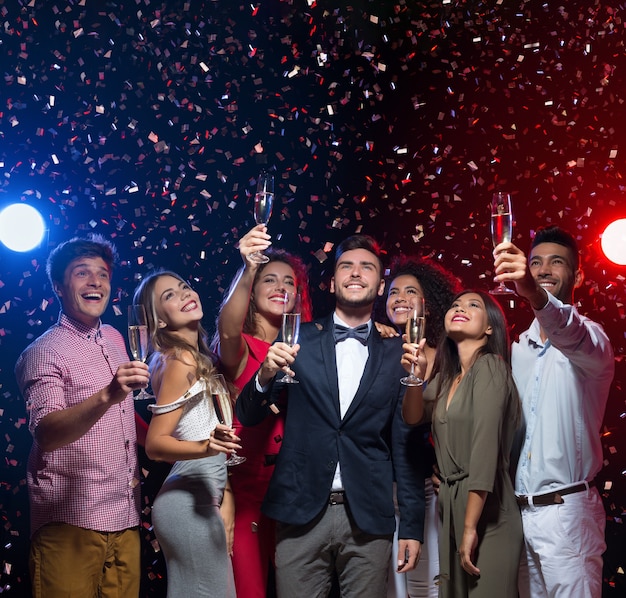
(248, 323)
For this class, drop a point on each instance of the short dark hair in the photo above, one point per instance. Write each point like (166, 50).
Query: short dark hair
(555, 234)
(65, 253)
(360, 242)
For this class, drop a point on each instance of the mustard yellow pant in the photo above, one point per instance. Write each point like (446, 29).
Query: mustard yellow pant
(72, 562)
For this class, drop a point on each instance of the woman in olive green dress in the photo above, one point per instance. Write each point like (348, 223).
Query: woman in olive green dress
(475, 410)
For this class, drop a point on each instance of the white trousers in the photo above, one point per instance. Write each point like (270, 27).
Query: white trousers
(563, 550)
(419, 583)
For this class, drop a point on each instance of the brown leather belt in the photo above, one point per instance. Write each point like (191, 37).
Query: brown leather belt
(552, 498)
(337, 498)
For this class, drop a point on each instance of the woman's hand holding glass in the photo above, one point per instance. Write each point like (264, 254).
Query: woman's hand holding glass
(223, 440)
(263, 205)
(414, 362)
(254, 243)
(414, 331)
(223, 435)
(414, 358)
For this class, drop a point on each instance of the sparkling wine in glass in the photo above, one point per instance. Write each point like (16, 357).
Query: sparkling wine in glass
(501, 229)
(415, 325)
(138, 339)
(223, 408)
(292, 313)
(263, 204)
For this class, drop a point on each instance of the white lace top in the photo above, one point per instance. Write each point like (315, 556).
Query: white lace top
(198, 418)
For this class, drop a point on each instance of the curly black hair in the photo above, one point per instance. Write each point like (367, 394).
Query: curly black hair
(439, 286)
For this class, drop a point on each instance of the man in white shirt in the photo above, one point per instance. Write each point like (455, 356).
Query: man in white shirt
(563, 366)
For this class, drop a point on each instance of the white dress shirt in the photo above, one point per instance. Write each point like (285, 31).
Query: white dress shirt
(351, 356)
(564, 385)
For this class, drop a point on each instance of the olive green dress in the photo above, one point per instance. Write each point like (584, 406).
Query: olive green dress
(473, 439)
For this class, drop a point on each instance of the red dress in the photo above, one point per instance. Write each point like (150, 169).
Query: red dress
(254, 543)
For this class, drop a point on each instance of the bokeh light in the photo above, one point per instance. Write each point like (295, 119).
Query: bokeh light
(613, 242)
(21, 227)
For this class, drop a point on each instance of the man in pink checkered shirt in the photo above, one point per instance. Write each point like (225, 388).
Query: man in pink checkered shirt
(83, 475)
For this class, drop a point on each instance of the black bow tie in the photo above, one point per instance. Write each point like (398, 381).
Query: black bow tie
(360, 333)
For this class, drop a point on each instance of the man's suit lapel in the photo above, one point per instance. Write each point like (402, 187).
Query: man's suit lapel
(330, 362)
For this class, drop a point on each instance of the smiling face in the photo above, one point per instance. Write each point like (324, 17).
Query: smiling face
(177, 304)
(467, 318)
(276, 279)
(357, 280)
(404, 291)
(86, 289)
(554, 267)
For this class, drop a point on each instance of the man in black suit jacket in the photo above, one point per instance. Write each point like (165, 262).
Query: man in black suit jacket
(344, 443)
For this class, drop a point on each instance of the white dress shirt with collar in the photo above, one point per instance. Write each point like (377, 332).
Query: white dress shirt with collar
(351, 356)
(564, 385)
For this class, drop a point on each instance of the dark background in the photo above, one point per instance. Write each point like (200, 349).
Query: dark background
(148, 122)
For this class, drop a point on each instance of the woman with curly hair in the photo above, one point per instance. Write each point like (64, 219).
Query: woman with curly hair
(248, 323)
(410, 278)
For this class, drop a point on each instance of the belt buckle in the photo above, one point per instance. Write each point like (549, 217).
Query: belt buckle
(336, 498)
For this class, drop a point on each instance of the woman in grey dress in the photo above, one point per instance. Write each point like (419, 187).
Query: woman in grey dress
(475, 411)
(184, 429)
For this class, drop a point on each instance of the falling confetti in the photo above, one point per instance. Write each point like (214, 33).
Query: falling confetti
(148, 122)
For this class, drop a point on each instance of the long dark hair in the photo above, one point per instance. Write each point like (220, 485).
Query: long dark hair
(447, 363)
(162, 340)
(439, 286)
(250, 325)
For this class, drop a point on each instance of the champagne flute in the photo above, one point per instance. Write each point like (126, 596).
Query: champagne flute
(223, 408)
(415, 325)
(501, 229)
(263, 204)
(292, 312)
(138, 340)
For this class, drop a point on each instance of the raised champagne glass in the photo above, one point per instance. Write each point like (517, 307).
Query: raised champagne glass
(138, 340)
(223, 408)
(263, 204)
(415, 325)
(292, 313)
(501, 229)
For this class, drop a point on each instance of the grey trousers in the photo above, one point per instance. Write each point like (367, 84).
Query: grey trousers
(307, 557)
